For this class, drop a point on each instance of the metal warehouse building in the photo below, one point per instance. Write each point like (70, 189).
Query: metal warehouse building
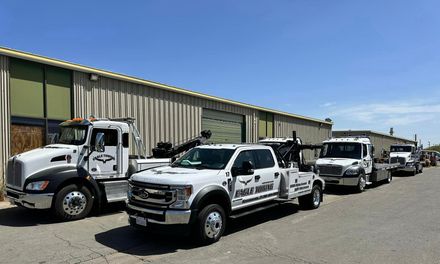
(381, 141)
(37, 93)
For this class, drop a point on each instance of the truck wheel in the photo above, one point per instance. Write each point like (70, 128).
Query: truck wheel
(73, 202)
(361, 184)
(312, 200)
(413, 173)
(389, 177)
(211, 223)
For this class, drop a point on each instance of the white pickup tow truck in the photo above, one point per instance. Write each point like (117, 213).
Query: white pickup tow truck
(350, 162)
(88, 167)
(211, 183)
(408, 156)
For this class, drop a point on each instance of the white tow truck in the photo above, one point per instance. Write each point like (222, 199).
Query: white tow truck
(408, 156)
(212, 183)
(349, 161)
(88, 167)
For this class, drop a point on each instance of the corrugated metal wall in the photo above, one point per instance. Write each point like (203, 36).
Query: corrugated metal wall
(310, 132)
(4, 117)
(160, 115)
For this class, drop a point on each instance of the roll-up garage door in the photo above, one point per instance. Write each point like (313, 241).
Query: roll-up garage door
(225, 127)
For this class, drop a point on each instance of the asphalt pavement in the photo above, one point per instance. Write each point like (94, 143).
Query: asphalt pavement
(388, 223)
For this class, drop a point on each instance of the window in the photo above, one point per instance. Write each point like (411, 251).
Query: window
(247, 155)
(110, 136)
(364, 150)
(205, 158)
(264, 159)
(341, 150)
(125, 140)
(265, 125)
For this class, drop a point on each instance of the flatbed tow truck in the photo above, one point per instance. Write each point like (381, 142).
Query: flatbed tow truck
(350, 162)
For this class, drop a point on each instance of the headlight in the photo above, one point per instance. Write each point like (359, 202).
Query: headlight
(129, 191)
(410, 163)
(183, 193)
(352, 171)
(37, 186)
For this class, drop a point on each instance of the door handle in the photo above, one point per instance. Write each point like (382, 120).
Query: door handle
(277, 174)
(257, 177)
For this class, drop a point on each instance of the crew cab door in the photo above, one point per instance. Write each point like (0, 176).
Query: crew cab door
(243, 182)
(367, 158)
(103, 160)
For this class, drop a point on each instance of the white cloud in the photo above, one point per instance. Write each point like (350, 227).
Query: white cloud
(391, 113)
(328, 104)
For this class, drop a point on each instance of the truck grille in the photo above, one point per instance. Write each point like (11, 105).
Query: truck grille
(151, 195)
(14, 173)
(330, 170)
(400, 160)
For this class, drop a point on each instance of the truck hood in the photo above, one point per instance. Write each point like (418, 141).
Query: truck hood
(336, 161)
(31, 162)
(174, 176)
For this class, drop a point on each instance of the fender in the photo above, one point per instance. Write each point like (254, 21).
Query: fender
(57, 176)
(206, 193)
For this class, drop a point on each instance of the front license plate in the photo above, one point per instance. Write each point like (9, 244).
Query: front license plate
(142, 221)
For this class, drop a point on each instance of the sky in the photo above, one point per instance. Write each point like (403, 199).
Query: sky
(366, 64)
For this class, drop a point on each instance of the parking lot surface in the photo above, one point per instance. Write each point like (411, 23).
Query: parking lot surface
(395, 223)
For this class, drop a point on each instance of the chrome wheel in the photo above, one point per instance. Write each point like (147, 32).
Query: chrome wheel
(316, 197)
(362, 183)
(74, 203)
(213, 224)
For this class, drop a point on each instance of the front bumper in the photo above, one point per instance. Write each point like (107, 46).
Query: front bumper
(341, 180)
(163, 217)
(28, 200)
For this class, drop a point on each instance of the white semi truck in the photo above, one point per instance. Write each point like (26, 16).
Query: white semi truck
(212, 183)
(350, 162)
(88, 167)
(408, 156)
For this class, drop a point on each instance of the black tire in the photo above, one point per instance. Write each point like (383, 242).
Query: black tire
(362, 182)
(210, 233)
(389, 179)
(311, 200)
(69, 203)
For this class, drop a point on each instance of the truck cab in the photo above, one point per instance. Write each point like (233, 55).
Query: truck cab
(408, 156)
(346, 161)
(211, 183)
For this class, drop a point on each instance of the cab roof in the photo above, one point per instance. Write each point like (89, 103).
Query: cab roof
(364, 140)
(232, 146)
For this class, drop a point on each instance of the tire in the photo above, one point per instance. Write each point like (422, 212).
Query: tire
(389, 179)
(362, 182)
(311, 200)
(211, 223)
(73, 202)
(413, 173)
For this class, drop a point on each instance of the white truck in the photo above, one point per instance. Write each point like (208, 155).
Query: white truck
(212, 183)
(88, 167)
(350, 162)
(408, 156)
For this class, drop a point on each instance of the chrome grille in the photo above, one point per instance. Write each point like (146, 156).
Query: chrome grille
(400, 160)
(330, 170)
(154, 195)
(14, 173)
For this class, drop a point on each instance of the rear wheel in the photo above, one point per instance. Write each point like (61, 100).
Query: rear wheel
(389, 177)
(73, 202)
(211, 223)
(312, 200)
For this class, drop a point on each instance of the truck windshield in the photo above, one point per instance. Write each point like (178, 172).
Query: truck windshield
(341, 150)
(401, 148)
(205, 158)
(73, 135)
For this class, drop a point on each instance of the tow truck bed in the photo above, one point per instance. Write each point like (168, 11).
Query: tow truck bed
(381, 171)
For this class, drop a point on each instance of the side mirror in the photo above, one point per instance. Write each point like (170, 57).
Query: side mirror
(247, 168)
(100, 142)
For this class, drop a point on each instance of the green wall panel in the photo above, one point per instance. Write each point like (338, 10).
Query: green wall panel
(58, 93)
(265, 125)
(225, 127)
(26, 80)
